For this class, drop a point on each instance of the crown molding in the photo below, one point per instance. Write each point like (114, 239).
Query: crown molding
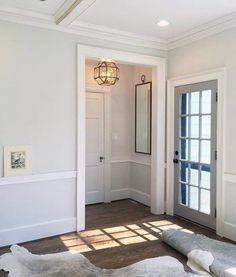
(211, 28)
(105, 33)
(82, 29)
(114, 35)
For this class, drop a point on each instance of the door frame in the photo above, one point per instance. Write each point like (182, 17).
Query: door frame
(158, 65)
(106, 91)
(218, 74)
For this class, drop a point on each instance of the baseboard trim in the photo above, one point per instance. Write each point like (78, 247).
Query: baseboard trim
(140, 196)
(37, 231)
(229, 230)
(119, 194)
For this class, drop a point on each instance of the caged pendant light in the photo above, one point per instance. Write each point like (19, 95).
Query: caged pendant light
(106, 73)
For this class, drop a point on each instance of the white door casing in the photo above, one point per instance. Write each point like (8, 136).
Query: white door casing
(95, 192)
(158, 65)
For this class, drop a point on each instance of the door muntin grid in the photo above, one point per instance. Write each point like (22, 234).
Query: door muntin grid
(195, 151)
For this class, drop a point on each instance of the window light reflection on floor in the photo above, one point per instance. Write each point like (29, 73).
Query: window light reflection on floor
(104, 238)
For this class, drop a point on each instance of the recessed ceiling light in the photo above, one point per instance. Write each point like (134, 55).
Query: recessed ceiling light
(163, 23)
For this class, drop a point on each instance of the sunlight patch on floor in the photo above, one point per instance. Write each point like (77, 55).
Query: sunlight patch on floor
(104, 238)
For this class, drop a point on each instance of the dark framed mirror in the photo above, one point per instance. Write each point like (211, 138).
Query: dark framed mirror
(143, 118)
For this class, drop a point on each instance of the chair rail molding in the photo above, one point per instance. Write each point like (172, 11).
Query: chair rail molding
(49, 176)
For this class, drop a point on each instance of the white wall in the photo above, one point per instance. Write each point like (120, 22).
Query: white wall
(38, 107)
(205, 54)
(140, 163)
(130, 171)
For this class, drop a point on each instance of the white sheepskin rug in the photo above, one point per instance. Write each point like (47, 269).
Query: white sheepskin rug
(21, 263)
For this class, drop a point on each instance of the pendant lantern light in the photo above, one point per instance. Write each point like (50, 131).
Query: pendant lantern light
(106, 73)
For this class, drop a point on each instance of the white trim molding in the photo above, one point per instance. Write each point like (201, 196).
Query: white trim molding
(158, 131)
(72, 24)
(80, 28)
(118, 194)
(140, 196)
(37, 231)
(130, 161)
(71, 10)
(50, 176)
(114, 35)
(218, 74)
(206, 30)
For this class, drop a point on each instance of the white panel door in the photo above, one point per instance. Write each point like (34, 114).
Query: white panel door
(94, 148)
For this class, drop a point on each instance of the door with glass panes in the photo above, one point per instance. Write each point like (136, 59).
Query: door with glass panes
(195, 152)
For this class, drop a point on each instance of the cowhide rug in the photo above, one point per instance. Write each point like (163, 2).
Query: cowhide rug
(21, 263)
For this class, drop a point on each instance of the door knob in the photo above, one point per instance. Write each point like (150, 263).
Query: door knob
(175, 161)
(101, 159)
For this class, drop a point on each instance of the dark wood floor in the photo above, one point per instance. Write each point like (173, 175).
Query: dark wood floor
(118, 234)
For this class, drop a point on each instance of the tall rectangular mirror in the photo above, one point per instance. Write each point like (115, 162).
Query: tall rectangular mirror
(143, 114)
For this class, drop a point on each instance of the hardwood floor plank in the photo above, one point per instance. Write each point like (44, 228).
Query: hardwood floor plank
(118, 234)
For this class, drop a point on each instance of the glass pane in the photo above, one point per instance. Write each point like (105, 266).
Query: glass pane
(206, 126)
(206, 151)
(183, 194)
(206, 101)
(194, 126)
(194, 104)
(205, 205)
(205, 177)
(194, 174)
(184, 103)
(193, 199)
(183, 149)
(194, 150)
(183, 172)
(184, 126)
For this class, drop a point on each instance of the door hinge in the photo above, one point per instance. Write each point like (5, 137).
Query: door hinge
(216, 96)
(215, 213)
(215, 155)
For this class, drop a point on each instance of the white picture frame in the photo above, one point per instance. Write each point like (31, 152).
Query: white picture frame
(17, 160)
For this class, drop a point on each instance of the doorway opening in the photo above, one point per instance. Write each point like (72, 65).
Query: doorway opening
(118, 136)
(113, 158)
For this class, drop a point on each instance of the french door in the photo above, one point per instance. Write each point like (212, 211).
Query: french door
(195, 152)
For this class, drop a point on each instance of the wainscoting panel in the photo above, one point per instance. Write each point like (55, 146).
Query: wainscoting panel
(229, 204)
(140, 177)
(131, 179)
(38, 209)
(120, 175)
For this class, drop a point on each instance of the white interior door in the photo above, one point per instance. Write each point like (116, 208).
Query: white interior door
(94, 148)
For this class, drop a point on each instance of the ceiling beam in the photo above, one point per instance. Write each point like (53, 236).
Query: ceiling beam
(71, 10)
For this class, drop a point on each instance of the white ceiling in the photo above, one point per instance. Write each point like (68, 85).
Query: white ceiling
(138, 16)
(48, 7)
(141, 16)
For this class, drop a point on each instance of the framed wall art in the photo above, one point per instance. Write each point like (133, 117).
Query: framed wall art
(17, 160)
